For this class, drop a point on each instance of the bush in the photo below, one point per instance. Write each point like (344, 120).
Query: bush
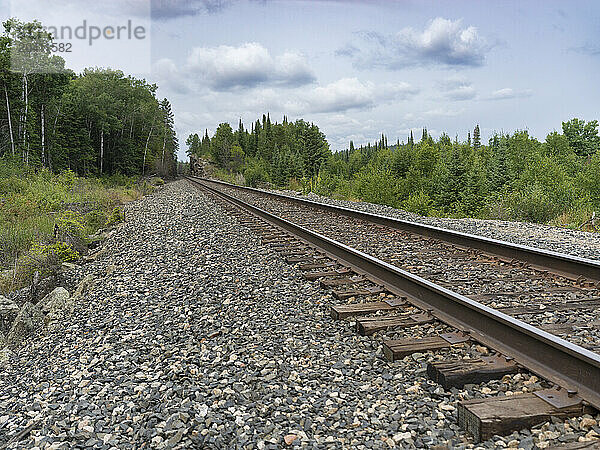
(116, 216)
(255, 175)
(418, 203)
(377, 187)
(67, 178)
(95, 220)
(71, 222)
(533, 204)
(61, 250)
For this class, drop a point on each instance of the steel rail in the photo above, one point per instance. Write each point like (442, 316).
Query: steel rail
(568, 365)
(561, 263)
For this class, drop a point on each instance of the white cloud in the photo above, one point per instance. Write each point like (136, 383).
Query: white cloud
(248, 65)
(457, 89)
(443, 112)
(443, 42)
(350, 93)
(171, 77)
(508, 93)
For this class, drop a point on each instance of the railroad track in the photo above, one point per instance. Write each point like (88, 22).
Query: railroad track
(361, 266)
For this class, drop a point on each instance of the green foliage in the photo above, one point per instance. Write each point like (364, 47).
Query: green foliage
(95, 220)
(60, 250)
(31, 204)
(514, 177)
(98, 122)
(377, 187)
(269, 152)
(582, 137)
(116, 216)
(419, 203)
(533, 204)
(256, 173)
(71, 222)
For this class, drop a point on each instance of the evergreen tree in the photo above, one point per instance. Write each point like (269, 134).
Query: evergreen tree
(476, 138)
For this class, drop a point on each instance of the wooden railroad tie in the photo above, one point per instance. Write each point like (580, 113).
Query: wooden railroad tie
(311, 276)
(562, 328)
(484, 418)
(369, 325)
(303, 258)
(344, 295)
(457, 373)
(294, 251)
(317, 266)
(335, 282)
(568, 306)
(399, 348)
(361, 309)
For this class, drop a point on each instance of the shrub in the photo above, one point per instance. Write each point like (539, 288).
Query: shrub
(377, 187)
(95, 219)
(72, 223)
(418, 203)
(116, 216)
(61, 250)
(67, 178)
(255, 175)
(533, 204)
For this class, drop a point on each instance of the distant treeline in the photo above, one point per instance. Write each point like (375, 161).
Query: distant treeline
(514, 176)
(99, 122)
(268, 152)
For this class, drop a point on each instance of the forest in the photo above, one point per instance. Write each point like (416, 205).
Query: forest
(513, 177)
(94, 123)
(73, 149)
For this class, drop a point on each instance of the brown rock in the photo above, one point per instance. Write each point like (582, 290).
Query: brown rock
(289, 438)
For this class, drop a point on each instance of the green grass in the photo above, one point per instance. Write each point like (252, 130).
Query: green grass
(33, 202)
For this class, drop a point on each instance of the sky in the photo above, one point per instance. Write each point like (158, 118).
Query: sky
(355, 68)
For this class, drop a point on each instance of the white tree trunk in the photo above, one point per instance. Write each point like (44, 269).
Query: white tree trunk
(26, 96)
(10, 130)
(101, 150)
(162, 159)
(53, 134)
(146, 149)
(43, 137)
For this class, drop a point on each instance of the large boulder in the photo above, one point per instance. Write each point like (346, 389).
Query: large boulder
(57, 305)
(8, 312)
(29, 320)
(57, 299)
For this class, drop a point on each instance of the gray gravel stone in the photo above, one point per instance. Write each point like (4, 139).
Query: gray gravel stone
(8, 312)
(190, 334)
(29, 320)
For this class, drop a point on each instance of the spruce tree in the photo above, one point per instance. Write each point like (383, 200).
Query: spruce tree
(476, 138)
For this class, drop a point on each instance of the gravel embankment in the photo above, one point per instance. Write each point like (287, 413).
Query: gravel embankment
(196, 336)
(564, 240)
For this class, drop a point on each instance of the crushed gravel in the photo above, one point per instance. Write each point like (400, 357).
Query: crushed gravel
(563, 240)
(194, 335)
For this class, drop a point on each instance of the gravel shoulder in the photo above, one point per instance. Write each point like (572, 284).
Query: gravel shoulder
(194, 335)
(563, 240)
